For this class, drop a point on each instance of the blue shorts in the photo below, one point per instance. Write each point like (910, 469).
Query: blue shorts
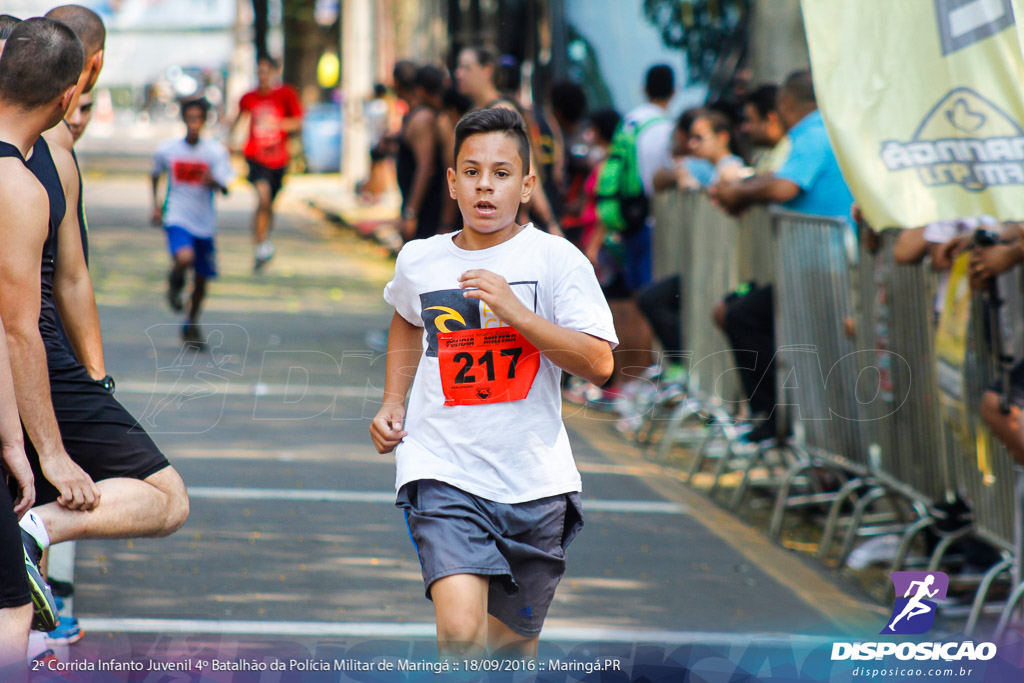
(205, 250)
(521, 547)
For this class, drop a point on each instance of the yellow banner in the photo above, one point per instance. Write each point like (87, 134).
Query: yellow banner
(924, 104)
(951, 350)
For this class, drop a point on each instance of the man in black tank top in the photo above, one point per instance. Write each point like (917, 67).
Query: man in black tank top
(86, 451)
(419, 163)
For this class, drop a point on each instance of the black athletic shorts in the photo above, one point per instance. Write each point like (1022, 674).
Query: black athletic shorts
(14, 591)
(98, 433)
(273, 176)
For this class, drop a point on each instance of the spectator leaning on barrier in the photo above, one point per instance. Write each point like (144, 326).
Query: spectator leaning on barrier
(808, 182)
(688, 172)
(711, 140)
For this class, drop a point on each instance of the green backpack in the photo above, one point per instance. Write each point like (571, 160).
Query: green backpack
(621, 203)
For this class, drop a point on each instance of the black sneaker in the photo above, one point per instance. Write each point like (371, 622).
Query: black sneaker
(192, 335)
(44, 616)
(175, 283)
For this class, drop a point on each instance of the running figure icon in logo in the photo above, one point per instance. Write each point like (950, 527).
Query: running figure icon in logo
(918, 590)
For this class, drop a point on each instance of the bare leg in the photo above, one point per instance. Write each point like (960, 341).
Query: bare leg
(506, 642)
(129, 508)
(14, 625)
(460, 606)
(264, 212)
(183, 259)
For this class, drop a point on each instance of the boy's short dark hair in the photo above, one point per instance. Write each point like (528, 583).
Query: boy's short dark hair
(498, 120)
(42, 59)
(198, 103)
(7, 24)
(268, 59)
(660, 83)
(763, 99)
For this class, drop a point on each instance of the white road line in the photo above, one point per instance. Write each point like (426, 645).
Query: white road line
(426, 630)
(388, 497)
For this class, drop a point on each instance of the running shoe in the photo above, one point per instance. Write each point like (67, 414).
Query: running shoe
(192, 335)
(68, 632)
(175, 283)
(264, 252)
(44, 617)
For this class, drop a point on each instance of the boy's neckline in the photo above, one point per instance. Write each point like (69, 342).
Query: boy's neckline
(517, 230)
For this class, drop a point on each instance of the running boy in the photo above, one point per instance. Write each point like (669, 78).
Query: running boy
(488, 317)
(195, 169)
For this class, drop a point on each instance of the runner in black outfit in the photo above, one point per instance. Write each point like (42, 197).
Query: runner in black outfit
(98, 459)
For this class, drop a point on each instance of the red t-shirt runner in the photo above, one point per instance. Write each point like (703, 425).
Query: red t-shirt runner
(268, 142)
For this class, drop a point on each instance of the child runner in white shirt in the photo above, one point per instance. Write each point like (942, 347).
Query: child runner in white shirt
(486, 319)
(195, 168)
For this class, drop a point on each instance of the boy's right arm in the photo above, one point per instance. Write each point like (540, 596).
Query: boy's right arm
(405, 346)
(157, 215)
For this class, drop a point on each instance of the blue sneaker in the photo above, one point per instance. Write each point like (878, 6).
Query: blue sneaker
(68, 632)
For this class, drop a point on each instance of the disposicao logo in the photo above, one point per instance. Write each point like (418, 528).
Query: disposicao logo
(964, 140)
(917, 594)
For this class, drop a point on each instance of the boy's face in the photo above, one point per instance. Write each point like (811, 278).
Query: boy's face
(195, 119)
(488, 182)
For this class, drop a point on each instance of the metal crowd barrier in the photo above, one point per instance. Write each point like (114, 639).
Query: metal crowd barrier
(708, 263)
(856, 366)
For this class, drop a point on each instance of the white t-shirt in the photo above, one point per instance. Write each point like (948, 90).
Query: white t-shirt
(509, 452)
(654, 144)
(189, 202)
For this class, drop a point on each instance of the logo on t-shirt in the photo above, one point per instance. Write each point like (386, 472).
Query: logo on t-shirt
(447, 310)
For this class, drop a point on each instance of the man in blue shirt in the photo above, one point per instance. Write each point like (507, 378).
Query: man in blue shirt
(808, 182)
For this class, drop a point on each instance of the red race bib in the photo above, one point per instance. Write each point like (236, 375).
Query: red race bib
(190, 172)
(486, 366)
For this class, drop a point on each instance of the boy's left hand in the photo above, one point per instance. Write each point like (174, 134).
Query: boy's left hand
(494, 291)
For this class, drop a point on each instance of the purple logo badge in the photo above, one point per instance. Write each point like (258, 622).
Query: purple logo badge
(916, 596)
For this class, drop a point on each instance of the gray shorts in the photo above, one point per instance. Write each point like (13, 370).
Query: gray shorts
(521, 546)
